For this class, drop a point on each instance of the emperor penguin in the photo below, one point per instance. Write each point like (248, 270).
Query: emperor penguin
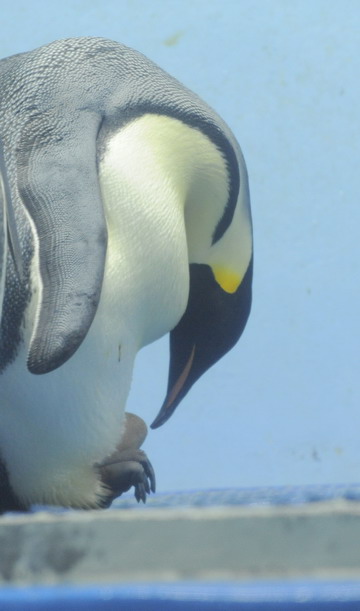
(124, 215)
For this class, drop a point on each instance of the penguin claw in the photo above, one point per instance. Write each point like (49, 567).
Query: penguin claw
(140, 493)
(150, 475)
(125, 469)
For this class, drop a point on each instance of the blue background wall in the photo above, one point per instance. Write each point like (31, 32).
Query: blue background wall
(283, 407)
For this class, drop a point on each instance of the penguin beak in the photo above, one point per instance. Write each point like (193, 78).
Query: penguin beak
(212, 323)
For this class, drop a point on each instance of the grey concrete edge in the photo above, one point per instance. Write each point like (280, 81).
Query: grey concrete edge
(215, 543)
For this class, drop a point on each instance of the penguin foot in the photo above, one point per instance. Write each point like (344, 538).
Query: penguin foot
(128, 466)
(125, 469)
(8, 500)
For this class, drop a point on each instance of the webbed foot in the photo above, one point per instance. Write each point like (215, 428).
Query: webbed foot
(128, 466)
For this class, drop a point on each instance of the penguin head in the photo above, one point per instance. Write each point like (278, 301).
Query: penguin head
(220, 294)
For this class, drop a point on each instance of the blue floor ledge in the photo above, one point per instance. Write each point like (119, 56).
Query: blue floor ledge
(259, 596)
(230, 497)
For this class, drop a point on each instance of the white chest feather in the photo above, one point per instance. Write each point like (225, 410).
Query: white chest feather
(147, 262)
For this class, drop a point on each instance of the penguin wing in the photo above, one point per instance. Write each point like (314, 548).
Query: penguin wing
(49, 122)
(8, 228)
(3, 236)
(58, 184)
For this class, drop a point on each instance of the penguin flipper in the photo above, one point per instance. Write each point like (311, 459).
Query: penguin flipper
(58, 184)
(3, 236)
(8, 230)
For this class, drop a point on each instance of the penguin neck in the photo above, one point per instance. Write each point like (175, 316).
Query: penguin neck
(156, 175)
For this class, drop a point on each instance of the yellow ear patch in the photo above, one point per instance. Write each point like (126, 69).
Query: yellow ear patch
(226, 278)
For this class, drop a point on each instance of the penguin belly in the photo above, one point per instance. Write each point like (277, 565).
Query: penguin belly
(56, 427)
